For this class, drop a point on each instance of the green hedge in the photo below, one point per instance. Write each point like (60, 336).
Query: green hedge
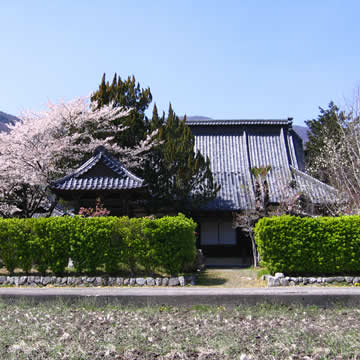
(315, 246)
(166, 244)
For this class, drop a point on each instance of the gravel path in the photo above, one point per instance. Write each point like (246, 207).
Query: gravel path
(192, 295)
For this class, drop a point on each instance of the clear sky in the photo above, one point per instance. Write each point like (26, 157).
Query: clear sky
(222, 59)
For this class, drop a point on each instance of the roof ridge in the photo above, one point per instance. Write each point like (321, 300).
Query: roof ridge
(110, 161)
(287, 121)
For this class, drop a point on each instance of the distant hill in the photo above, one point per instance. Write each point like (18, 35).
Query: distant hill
(6, 119)
(197, 117)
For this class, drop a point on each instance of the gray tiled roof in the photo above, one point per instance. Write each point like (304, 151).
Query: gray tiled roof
(208, 122)
(236, 146)
(100, 172)
(318, 191)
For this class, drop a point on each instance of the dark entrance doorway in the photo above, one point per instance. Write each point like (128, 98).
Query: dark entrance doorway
(224, 246)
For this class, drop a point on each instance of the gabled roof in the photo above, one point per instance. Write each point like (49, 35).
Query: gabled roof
(101, 172)
(234, 147)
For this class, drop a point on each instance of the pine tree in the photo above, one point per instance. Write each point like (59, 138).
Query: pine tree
(156, 121)
(129, 95)
(177, 177)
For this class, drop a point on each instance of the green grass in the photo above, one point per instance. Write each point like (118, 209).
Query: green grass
(241, 278)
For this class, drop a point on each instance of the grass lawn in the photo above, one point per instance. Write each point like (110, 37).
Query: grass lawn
(84, 331)
(243, 278)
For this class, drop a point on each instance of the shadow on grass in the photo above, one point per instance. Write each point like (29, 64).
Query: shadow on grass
(206, 279)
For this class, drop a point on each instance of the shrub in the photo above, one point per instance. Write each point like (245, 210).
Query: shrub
(132, 252)
(321, 245)
(15, 250)
(167, 243)
(173, 242)
(115, 243)
(91, 241)
(51, 243)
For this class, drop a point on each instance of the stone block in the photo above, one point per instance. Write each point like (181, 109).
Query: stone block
(150, 281)
(98, 281)
(111, 281)
(22, 280)
(140, 281)
(273, 281)
(46, 280)
(119, 281)
(174, 281)
(77, 281)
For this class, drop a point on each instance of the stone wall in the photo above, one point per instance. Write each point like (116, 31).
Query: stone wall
(281, 280)
(95, 281)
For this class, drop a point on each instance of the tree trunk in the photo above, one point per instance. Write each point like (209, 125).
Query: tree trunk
(254, 250)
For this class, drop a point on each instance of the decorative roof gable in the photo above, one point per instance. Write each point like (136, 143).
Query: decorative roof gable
(101, 172)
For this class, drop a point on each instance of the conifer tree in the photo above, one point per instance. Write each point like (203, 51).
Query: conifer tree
(156, 121)
(129, 95)
(177, 177)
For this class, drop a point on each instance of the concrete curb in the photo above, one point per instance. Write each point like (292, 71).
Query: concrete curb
(186, 296)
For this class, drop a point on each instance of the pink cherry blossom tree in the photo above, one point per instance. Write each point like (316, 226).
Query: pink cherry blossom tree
(51, 143)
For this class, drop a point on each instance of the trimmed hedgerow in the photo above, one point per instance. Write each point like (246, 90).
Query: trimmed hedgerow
(172, 242)
(50, 243)
(316, 246)
(91, 242)
(99, 242)
(15, 245)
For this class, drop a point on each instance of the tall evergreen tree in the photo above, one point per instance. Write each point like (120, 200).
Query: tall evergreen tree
(174, 173)
(156, 122)
(129, 95)
(177, 177)
(326, 126)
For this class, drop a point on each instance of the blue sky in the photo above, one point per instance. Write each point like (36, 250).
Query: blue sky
(222, 59)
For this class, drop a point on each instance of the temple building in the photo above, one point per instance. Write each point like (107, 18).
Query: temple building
(234, 147)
